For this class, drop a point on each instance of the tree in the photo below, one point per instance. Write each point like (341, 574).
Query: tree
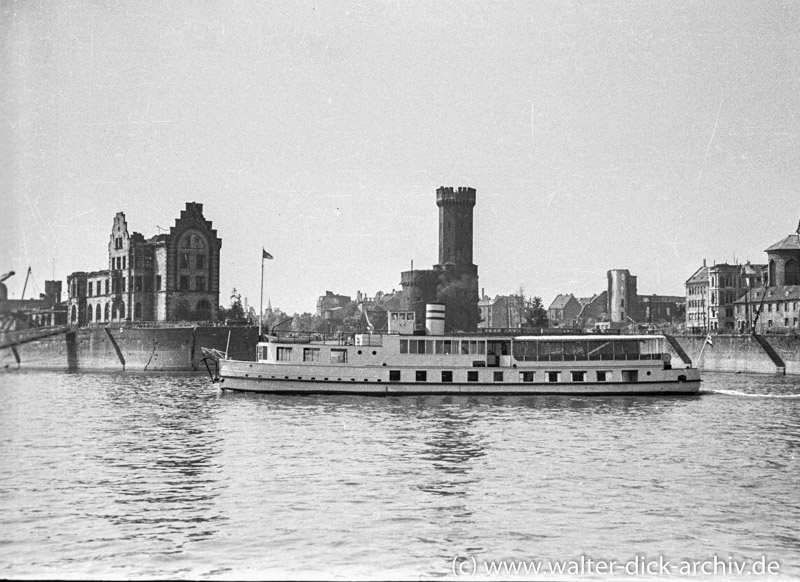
(236, 310)
(307, 322)
(535, 313)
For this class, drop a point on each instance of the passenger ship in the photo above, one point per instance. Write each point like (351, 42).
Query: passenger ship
(402, 362)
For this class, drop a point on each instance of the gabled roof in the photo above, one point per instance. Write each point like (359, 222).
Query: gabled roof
(561, 301)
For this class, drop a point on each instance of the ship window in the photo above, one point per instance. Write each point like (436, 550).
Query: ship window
(498, 376)
(553, 376)
(403, 346)
(311, 354)
(284, 355)
(630, 375)
(338, 356)
(527, 376)
(472, 347)
(472, 376)
(394, 375)
(422, 376)
(264, 351)
(603, 376)
(447, 375)
(412, 346)
(578, 376)
(410, 315)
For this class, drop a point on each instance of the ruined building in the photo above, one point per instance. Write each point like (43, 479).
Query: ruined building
(168, 277)
(454, 280)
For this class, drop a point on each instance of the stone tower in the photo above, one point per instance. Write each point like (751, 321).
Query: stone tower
(455, 225)
(622, 295)
(454, 280)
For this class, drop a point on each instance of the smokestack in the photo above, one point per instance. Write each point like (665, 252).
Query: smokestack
(434, 319)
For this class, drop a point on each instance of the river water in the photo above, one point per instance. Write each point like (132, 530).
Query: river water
(127, 476)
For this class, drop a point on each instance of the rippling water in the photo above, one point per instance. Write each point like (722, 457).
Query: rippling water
(158, 476)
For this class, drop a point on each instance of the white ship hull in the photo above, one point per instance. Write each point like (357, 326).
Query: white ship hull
(389, 367)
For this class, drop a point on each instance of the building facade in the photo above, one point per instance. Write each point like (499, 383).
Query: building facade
(712, 293)
(502, 312)
(564, 311)
(168, 277)
(774, 305)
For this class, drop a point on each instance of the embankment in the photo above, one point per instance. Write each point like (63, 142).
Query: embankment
(768, 354)
(130, 348)
(179, 349)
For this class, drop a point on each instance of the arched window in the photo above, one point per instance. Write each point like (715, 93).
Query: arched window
(74, 317)
(99, 316)
(89, 313)
(107, 308)
(193, 240)
(203, 310)
(792, 273)
(772, 277)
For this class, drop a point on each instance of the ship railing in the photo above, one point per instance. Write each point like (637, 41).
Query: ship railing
(592, 358)
(336, 338)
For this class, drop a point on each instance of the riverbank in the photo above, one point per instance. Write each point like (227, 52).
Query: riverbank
(131, 348)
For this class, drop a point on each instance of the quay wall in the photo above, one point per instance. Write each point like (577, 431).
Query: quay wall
(130, 349)
(179, 349)
(742, 353)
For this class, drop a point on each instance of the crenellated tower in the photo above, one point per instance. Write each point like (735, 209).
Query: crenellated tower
(455, 225)
(454, 280)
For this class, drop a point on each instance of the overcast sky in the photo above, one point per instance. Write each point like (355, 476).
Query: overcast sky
(598, 135)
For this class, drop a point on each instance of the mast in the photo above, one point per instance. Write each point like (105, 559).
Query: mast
(25, 286)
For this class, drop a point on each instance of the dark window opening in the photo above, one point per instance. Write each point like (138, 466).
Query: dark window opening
(422, 376)
(447, 376)
(630, 375)
(394, 375)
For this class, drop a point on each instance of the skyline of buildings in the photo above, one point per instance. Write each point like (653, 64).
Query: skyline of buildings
(175, 277)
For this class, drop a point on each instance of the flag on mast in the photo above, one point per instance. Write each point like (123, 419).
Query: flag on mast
(265, 254)
(708, 340)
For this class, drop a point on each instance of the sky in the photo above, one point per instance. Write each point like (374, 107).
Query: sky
(598, 135)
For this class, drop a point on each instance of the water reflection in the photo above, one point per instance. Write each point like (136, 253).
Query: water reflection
(157, 454)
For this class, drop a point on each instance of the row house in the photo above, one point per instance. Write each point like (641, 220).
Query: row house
(711, 293)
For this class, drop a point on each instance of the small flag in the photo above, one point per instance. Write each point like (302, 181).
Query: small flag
(265, 254)
(708, 340)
